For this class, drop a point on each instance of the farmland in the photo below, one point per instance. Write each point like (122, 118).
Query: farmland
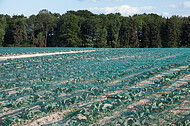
(95, 87)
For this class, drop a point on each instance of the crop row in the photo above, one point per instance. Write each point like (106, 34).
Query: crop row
(95, 85)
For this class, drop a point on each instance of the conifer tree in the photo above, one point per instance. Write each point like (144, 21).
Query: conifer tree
(145, 36)
(133, 34)
(155, 40)
(123, 35)
(171, 35)
(186, 33)
(2, 29)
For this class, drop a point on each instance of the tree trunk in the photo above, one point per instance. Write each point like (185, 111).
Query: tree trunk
(45, 40)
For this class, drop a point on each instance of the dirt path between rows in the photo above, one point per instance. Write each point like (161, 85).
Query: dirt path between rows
(56, 117)
(41, 54)
(168, 88)
(147, 101)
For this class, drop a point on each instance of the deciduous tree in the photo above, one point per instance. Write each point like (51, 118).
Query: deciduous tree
(45, 23)
(70, 30)
(113, 28)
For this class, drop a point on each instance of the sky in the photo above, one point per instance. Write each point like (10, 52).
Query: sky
(165, 8)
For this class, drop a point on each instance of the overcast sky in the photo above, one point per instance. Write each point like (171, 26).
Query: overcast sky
(125, 7)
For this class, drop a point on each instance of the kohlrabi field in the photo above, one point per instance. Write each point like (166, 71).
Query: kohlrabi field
(82, 86)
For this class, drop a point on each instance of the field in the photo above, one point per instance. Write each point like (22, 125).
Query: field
(95, 87)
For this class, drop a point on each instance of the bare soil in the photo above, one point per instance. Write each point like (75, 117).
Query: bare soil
(40, 54)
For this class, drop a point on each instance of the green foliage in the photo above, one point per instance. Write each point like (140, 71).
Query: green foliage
(45, 22)
(39, 40)
(133, 34)
(69, 30)
(3, 24)
(145, 36)
(17, 35)
(84, 29)
(123, 40)
(155, 40)
(113, 28)
(171, 32)
(19, 30)
(186, 32)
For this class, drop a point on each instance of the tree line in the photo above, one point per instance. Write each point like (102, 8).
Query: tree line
(84, 29)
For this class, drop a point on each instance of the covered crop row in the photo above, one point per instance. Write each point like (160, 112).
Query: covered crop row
(106, 86)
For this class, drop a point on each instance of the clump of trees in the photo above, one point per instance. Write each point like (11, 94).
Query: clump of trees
(85, 29)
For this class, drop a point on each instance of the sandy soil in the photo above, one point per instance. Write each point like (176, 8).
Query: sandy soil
(104, 120)
(41, 54)
(180, 82)
(54, 117)
(144, 83)
(59, 116)
(141, 102)
(179, 110)
(7, 111)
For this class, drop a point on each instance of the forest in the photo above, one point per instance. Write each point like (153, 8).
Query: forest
(84, 29)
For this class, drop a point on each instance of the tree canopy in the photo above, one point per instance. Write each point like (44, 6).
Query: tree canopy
(84, 29)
